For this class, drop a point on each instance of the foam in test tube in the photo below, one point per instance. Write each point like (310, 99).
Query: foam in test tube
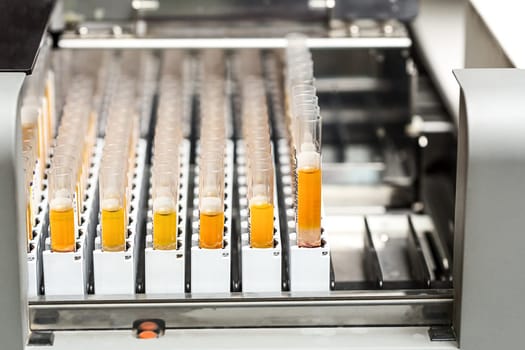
(62, 210)
(309, 181)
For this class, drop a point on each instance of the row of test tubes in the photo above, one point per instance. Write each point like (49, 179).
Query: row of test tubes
(117, 165)
(171, 113)
(213, 111)
(38, 124)
(70, 164)
(258, 151)
(305, 127)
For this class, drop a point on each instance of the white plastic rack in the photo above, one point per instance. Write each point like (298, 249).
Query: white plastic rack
(66, 273)
(309, 268)
(115, 272)
(34, 254)
(261, 267)
(166, 269)
(211, 268)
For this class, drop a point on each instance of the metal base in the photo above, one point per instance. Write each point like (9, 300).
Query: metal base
(294, 338)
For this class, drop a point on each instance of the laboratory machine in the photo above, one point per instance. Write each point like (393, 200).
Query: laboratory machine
(268, 174)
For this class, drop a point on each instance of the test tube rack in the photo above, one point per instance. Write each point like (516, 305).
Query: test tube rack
(211, 268)
(309, 268)
(261, 267)
(115, 272)
(67, 273)
(34, 255)
(165, 270)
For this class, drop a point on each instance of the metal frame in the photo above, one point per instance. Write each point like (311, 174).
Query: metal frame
(490, 199)
(357, 338)
(14, 326)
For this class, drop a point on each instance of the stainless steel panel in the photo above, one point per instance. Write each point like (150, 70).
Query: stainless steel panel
(390, 236)
(357, 308)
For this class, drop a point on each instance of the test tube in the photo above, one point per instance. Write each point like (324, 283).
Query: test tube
(28, 201)
(62, 209)
(31, 119)
(112, 206)
(309, 181)
(260, 197)
(211, 200)
(165, 183)
(29, 155)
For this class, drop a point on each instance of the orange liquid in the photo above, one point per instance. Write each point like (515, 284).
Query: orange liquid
(261, 225)
(62, 226)
(113, 230)
(309, 207)
(165, 230)
(211, 230)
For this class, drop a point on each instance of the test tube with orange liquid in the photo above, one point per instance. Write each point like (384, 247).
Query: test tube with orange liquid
(260, 198)
(165, 159)
(211, 200)
(117, 167)
(112, 208)
(164, 195)
(259, 163)
(309, 179)
(62, 209)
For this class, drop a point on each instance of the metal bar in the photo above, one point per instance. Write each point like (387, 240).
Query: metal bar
(230, 43)
(358, 308)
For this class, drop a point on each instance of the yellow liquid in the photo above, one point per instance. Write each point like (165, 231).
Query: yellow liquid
(165, 230)
(211, 230)
(113, 230)
(62, 226)
(29, 223)
(261, 225)
(309, 207)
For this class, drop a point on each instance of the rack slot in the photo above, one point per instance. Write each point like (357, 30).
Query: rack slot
(116, 272)
(165, 269)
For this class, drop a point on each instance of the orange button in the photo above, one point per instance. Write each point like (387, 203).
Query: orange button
(147, 335)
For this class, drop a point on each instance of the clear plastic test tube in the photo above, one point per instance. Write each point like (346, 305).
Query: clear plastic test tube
(30, 117)
(30, 149)
(71, 150)
(29, 155)
(28, 200)
(165, 186)
(309, 181)
(112, 207)
(62, 209)
(260, 197)
(211, 200)
(303, 108)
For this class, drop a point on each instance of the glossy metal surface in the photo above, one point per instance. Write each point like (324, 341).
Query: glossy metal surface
(349, 308)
